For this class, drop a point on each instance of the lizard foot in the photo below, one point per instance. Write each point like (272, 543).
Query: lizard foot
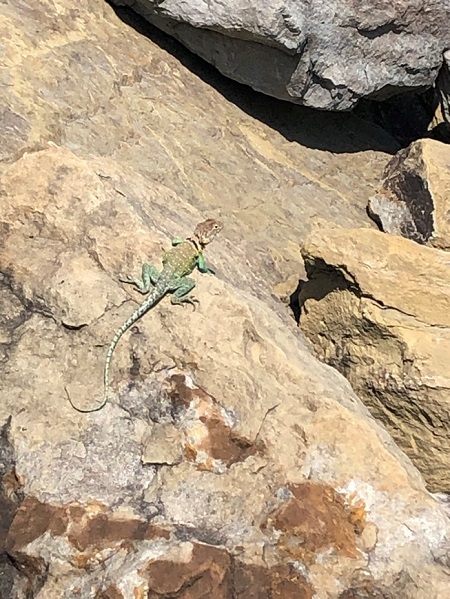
(126, 279)
(186, 300)
(141, 286)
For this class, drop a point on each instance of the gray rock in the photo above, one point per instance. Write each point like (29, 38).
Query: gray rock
(393, 216)
(413, 201)
(324, 54)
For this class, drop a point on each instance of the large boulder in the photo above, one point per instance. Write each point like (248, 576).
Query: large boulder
(377, 307)
(325, 54)
(228, 461)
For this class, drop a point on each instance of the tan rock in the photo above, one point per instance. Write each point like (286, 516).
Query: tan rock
(377, 308)
(109, 146)
(100, 88)
(263, 426)
(162, 445)
(414, 201)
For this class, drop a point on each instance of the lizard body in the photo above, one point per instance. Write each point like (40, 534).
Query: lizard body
(178, 263)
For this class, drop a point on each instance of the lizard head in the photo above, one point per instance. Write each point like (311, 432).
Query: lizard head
(206, 231)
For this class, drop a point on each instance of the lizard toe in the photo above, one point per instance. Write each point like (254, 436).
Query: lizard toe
(126, 279)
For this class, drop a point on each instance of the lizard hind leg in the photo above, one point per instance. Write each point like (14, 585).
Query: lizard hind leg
(180, 292)
(150, 276)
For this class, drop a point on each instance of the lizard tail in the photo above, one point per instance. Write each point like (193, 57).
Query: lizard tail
(151, 300)
(109, 354)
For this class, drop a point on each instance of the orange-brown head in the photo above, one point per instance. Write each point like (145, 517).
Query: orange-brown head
(206, 231)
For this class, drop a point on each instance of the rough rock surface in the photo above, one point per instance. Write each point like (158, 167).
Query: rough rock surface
(377, 308)
(323, 53)
(267, 168)
(414, 201)
(229, 462)
(254, 472)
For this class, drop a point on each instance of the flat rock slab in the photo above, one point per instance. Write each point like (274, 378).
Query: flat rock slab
(267, 168)
(377, 307)
(326, 54)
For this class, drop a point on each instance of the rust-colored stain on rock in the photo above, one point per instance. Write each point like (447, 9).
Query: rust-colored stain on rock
(278, 582)
(9, 489)
(213, 573)
(103, 530)
(33, 519)
(213, 437)
(222, 445)
(180, 394)
(315, 519)
(205, 575)
(85, 532)
(111, 592)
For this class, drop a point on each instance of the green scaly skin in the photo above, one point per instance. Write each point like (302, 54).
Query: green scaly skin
(178, 263)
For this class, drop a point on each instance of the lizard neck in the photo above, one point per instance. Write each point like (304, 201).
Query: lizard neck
(195, 242)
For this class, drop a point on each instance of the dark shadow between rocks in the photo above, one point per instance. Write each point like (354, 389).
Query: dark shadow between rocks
(337, 132)
(294, 304)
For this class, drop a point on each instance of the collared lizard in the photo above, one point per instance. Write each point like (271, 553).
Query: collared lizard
(178, 263)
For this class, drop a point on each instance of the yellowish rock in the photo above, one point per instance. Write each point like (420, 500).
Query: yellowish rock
(377, 307)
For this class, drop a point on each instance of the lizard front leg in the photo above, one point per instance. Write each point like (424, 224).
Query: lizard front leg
(180, 291)
(150, 276)
(202, 266)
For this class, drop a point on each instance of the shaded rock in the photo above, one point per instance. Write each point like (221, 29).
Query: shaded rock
(393, 216)
(440, 132)
(326, 55)
(414, 201)
(377, 308)
(442, 115)
(406, 117)
(414, 115)
(11, 581)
